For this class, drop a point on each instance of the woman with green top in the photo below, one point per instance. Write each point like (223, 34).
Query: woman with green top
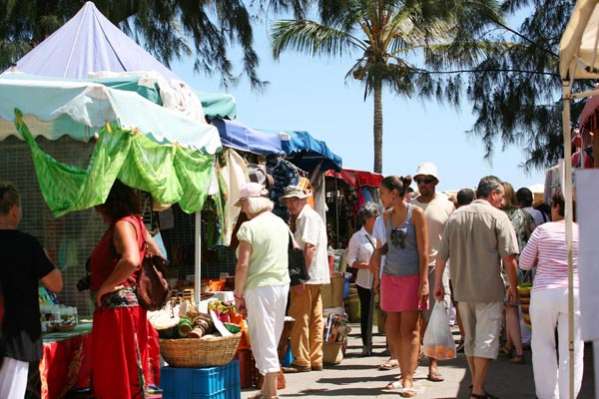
(262, 280)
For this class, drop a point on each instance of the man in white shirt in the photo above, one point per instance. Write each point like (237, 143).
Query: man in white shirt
(306, 300)
(437, 209)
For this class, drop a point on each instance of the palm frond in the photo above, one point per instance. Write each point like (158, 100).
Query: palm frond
(313, 38)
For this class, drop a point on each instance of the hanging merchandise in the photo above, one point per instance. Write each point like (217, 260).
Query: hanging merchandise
(284, 174)
(234, 174)
(170, 173)
(320, 200)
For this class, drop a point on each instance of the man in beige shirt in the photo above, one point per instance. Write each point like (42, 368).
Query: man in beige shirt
(437, 210)
(477, 238)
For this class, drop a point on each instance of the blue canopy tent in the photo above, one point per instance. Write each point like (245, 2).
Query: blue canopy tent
(240, 137)
(306, 152)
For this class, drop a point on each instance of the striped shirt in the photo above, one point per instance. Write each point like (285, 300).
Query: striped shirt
(547, 251)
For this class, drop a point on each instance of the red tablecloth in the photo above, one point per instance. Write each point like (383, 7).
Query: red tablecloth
(65, 365)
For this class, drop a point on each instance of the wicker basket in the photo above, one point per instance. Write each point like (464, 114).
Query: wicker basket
(193, 352)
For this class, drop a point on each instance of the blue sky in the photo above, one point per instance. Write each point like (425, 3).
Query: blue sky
(311, 94)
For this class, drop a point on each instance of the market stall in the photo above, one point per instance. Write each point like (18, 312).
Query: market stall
(82, 126)
(578, 61)
(347, 191)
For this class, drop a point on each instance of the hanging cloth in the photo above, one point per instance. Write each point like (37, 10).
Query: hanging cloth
(234, 174)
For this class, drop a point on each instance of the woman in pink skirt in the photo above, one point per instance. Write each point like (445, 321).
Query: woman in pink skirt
(404, 282)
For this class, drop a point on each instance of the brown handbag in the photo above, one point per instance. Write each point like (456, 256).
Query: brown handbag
(153, 290)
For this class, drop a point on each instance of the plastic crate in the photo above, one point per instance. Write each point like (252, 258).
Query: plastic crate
(199, 383)
(231, 393)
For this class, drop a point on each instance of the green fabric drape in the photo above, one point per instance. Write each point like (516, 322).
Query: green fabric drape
(170, 173)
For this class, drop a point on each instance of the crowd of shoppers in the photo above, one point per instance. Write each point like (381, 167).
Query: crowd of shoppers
(413, 249)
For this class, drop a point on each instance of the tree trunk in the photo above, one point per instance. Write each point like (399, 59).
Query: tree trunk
(378, 126)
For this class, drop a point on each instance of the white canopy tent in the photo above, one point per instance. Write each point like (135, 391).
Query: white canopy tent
(579, 59)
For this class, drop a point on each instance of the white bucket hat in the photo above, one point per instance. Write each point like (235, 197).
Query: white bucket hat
(427, 169)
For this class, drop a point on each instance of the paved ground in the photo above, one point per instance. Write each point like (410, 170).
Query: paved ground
(358, 377)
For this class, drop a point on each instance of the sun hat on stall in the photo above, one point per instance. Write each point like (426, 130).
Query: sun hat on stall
(427, 169)
(251, 190)
(294, 192)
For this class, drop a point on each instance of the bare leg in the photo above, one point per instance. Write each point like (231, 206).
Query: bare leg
(392, 329)
(471, 366)
(512, 321)
(409, 347)
(269, 386)
(481, 366)
(459, 320)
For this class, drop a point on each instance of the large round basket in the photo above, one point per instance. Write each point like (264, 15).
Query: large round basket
(194, 352)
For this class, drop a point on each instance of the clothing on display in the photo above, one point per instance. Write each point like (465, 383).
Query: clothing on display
(284, 174)
(234, 174)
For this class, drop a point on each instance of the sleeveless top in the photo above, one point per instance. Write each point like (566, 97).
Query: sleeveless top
(104, 259)
(402, 257)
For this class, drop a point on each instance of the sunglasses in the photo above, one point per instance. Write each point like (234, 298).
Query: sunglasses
(426, 180)
(398, 237)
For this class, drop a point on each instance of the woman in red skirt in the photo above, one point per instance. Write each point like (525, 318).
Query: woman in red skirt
(121, 335)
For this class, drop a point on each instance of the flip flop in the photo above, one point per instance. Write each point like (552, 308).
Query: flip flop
(394, 385)
(435, 376)
(389, 365)
(408, 392)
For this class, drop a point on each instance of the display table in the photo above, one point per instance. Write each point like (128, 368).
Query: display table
(66, 363)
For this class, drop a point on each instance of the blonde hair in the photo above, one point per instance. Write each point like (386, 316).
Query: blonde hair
(256, 205)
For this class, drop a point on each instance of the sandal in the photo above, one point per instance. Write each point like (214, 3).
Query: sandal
(518, 359)
(394, 385)
(407, 392)
(486, 395)
(505, 350)
(435, 376)
(389, 365)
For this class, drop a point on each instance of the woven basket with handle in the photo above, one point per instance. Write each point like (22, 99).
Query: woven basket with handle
(204, 352)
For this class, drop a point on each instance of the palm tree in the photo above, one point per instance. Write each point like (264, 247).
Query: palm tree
(394, 41)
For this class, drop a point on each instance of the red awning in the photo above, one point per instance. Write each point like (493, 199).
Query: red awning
(357, 178)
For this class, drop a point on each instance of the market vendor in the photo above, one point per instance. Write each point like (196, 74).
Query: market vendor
(24, 265)
(121, 335)
(359, 251)
(262, 280)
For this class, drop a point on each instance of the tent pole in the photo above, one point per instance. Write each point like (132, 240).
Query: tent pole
(197, 258)
(567, 92)
(338, 241)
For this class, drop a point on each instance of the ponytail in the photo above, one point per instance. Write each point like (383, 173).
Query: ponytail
(400, 184)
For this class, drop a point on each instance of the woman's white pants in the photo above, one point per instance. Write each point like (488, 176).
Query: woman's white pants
(548, 311)
(13, 378)
(266, 308)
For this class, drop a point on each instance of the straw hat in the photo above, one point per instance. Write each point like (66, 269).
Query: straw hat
(294, 192)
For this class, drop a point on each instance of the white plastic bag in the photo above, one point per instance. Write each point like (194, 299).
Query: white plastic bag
(438, 341)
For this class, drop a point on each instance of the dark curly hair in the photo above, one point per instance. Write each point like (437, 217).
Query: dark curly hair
(122, 201)
(401, 184)
(9, 197)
